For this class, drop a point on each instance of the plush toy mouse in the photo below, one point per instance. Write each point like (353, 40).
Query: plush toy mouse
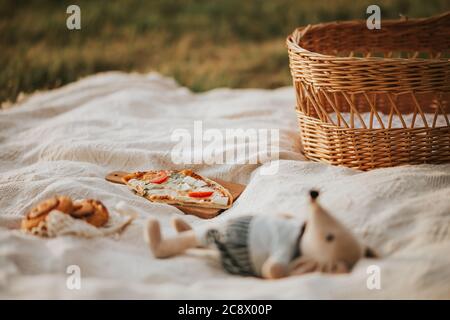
(267, 245)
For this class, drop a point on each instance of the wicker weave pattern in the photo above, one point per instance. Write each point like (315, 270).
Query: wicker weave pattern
(404, 68)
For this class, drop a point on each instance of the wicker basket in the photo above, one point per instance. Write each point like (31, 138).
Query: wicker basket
(354, 84)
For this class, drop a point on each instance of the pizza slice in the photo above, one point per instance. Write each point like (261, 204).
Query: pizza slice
(179, 187)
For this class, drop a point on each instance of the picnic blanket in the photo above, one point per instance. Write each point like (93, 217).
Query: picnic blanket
(65, 141)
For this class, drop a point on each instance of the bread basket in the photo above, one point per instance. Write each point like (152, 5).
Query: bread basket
(373, 98)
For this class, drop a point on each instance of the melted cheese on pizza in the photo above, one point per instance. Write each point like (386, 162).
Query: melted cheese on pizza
(181, 188)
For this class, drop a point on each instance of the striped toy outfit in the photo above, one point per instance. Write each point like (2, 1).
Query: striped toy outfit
(246, 242)
(233, 246)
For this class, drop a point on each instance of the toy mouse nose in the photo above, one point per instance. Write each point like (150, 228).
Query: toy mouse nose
(313, 194)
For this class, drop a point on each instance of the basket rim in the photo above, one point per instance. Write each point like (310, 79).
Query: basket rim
(299, 32)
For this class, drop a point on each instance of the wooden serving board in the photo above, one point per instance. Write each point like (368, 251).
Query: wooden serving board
(205, 213)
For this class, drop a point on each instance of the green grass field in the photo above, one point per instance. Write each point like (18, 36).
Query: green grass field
(202, 44)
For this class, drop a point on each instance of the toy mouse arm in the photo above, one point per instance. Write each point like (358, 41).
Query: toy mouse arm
(277, 265)
(273, 269)
(281, 251)
(303, 265)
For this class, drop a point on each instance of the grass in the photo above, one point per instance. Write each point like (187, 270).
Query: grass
(203, 44)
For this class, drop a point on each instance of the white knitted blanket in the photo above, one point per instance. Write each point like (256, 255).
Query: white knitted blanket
(65, 141)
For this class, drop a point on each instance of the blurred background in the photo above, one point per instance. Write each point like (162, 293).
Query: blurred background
(203, 44)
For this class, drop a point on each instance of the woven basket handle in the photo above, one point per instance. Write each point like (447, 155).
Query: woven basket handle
(304, 31)
(297, 36)
(443, 16)
(436, 19)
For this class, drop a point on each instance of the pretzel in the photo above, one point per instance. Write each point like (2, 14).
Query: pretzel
(92, 211)
(38, 213)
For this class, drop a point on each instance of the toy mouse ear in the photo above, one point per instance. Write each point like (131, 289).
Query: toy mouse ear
(370, 253)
